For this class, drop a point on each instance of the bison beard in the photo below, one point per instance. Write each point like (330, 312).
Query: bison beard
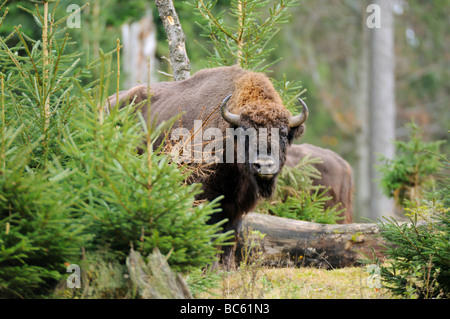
(225, 97)
(241, 194)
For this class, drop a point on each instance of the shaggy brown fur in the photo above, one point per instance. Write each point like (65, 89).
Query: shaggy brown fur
(199, 98)
(336, 174)
(252, 90)
(253, 96)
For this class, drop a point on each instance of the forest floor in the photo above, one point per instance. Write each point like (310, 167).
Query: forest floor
(297, 283)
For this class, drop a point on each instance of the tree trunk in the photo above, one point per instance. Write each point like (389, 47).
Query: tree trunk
(177, 46)
(362, 171)
(155, 279)
(381, 104)
(139, 49)
(294, 242)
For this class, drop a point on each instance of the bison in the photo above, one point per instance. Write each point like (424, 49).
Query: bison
(336, 174)
(228, 98)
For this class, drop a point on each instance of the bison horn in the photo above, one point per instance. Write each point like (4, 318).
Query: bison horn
(231, 118)
(298, 120)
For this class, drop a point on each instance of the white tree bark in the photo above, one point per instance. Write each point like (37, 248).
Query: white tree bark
(139, 48)
(382, 112)
(177, 40)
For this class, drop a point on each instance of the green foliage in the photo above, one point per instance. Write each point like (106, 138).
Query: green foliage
(71, 176)
(297, 198)
(137, 200)
(411, 171)
(308, 207)
(243, 35)
(443, 182)
(102, 277)
(246, 40)
(40, 91)
(202, 280)
(37, 232)
(418, 252)
(289, 91)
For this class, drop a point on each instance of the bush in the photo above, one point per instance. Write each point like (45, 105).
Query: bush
(71, 176)
(247, 41)
(411, 171)
(418, 252)
(140, 201)
(38, 235)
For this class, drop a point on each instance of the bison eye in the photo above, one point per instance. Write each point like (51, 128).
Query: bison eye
(283, 132)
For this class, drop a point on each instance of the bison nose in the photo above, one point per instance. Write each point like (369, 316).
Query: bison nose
(265, 166)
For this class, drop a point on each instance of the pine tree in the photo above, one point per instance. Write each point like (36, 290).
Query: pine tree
(38, 235)
(246, 42)
(71, 178)
(419, 251)
(243, 35)
(410, 173)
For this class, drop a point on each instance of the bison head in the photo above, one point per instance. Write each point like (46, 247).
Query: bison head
(266, 135)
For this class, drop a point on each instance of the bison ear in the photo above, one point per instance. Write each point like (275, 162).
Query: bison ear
(296, 132)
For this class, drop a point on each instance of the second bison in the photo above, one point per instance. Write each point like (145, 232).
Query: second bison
(336, 174)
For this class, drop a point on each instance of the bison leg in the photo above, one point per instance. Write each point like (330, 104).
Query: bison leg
(228, 259)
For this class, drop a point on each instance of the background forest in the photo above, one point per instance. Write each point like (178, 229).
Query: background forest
(63, 163)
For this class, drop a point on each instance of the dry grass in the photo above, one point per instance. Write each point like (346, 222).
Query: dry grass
(297, 283)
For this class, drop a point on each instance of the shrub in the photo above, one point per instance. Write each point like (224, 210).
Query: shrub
(140, 201)
(38, 235)
(247, 41)
(418, 252)
(411, 171)
(71, 176)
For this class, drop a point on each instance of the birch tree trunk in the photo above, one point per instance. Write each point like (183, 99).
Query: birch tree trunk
(382, 112)
(177, 40)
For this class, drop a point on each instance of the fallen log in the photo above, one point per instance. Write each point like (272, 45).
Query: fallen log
(301, 243)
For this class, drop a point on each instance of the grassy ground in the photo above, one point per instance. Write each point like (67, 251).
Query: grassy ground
(297, 283)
